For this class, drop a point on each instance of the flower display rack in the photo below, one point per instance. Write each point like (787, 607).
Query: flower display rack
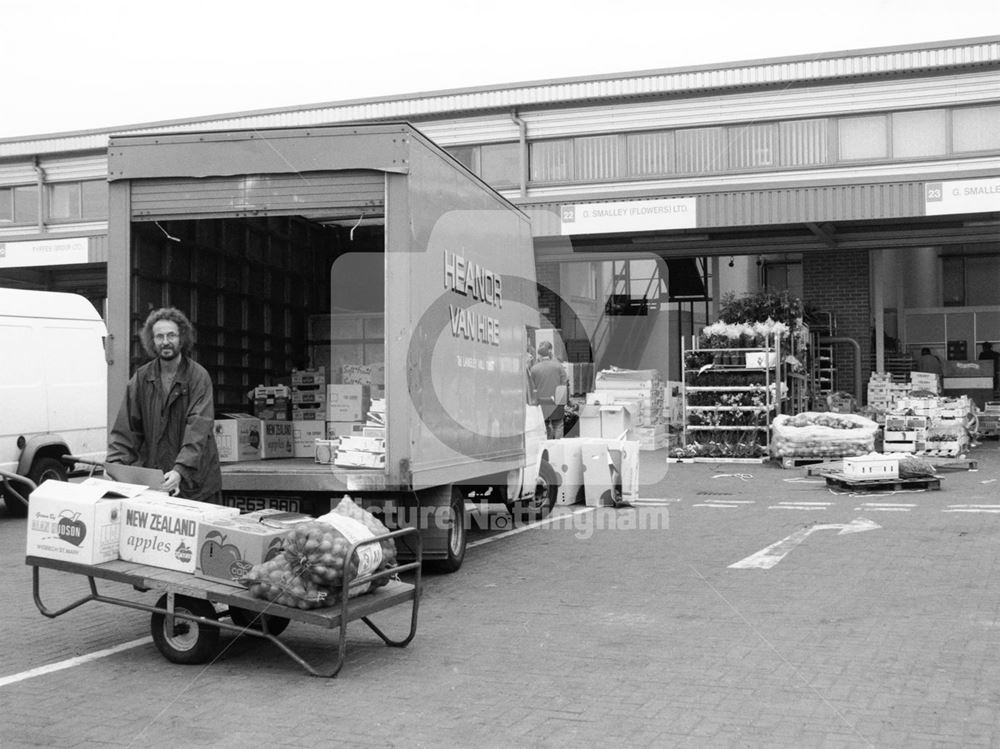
(730, 395)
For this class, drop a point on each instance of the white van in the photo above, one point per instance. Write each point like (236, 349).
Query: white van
(53, 385)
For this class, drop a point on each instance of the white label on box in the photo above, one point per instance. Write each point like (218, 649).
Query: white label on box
(162, 531)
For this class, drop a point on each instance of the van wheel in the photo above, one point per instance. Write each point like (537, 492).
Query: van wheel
(456, 535)
(44, 469)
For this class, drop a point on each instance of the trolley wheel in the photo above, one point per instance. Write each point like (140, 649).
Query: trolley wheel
(191, 642)
(252, 620)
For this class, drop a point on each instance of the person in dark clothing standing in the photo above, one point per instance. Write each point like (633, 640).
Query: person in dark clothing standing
(167, 418)
(989, 353)
(928, 362)
(551, 382)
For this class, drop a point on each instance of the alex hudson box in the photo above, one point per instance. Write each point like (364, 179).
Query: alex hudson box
(162, 531)
(78, 522)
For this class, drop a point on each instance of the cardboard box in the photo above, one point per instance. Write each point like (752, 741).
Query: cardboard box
(872, 466)
(362, 443)
(604, 422)
(347, 402)
(315, 394)
(370, 431)
(309, 412)
(162, 531)
(228, 548)
(237, 437)
(598, 480)
(304, 436)
(626, 378)
(325, 450)
(273, 402)
(337, 429)
(277, 518)
(565, 458)
(78, 522)
(303, 377)
(276, 440)
(358, 459)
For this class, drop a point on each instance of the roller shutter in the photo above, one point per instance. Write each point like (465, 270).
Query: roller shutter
(321, 196)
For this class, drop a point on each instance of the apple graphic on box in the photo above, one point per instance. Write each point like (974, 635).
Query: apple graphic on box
(70, 528)
(183, 553)
(274, 548)
(217, 558)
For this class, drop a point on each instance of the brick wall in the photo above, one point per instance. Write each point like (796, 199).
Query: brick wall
(838, 282)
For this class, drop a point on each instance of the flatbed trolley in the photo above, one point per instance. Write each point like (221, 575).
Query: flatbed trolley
(190, 614)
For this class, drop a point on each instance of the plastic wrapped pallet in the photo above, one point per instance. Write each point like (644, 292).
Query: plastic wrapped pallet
(822, 435)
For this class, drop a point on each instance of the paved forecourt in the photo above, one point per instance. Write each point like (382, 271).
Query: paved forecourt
(873, 624)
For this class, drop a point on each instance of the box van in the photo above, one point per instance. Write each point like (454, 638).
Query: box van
(53, 385)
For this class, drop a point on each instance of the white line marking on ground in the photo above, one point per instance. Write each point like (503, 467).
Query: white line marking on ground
(794, 507)
(70, 662)
(521, 529)
(716, 504)
(769, 556)
(972, 509)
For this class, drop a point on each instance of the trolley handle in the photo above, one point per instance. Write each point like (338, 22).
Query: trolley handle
(12, 484)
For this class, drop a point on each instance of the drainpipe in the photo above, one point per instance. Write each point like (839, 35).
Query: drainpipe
(857, 360)
(522, 129)
(40, 181)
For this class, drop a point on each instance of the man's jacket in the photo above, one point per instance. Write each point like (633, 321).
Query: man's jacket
(175, 432)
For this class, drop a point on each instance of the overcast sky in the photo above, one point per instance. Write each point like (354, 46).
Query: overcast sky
(73, 65)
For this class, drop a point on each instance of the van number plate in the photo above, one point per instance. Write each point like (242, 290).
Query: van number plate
(250, 504)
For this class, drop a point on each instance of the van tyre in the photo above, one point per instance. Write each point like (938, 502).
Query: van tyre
(44, 469)
(190, 642)
(456, 535)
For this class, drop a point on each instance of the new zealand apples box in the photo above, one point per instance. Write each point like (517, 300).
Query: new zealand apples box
(78, 522)
(276, 440)
(229, 547)
(162, 531)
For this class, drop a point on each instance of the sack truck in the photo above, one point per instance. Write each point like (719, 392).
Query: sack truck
(341, 247)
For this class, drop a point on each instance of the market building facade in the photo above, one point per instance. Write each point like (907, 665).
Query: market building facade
(866, 183)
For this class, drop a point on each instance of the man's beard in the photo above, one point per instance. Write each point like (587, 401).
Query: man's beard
(162, 352)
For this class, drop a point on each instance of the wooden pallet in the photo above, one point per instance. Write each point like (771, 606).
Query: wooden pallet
(953, 464)
(837, 480)
(828, 462)
(717, 460)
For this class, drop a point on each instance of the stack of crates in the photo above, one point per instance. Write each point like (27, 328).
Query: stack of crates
(884, 393)
(308, 410)
(904, 434)
(989, 420)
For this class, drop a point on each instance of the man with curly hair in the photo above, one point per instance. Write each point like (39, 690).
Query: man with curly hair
(167, 418)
